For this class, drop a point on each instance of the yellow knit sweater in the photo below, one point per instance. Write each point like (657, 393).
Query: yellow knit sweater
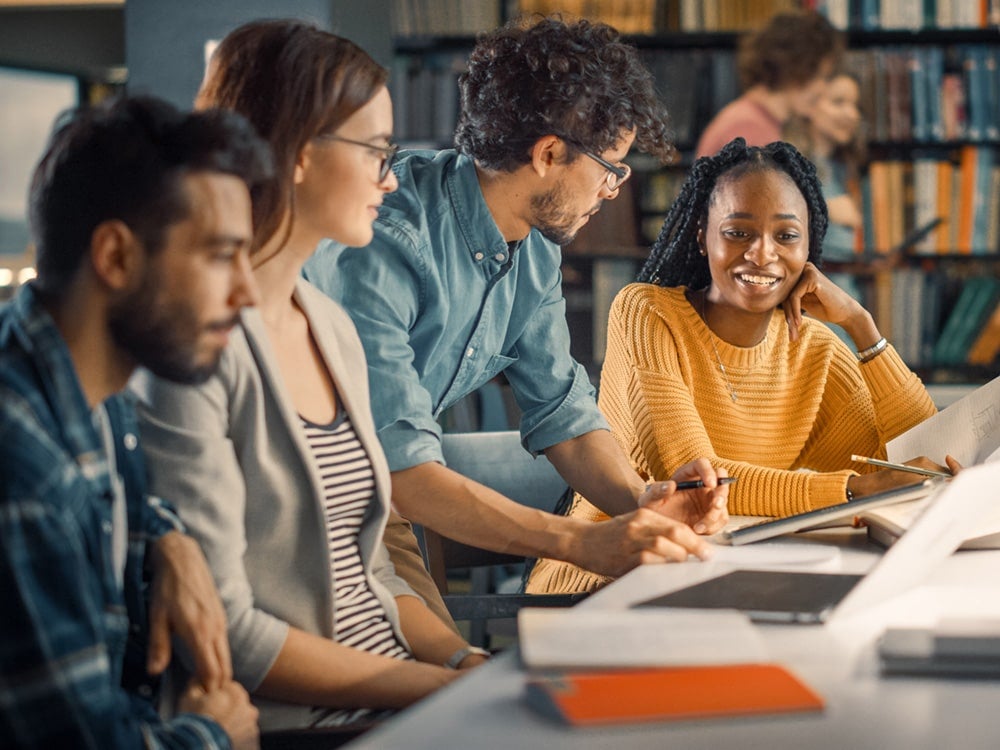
(802, 409)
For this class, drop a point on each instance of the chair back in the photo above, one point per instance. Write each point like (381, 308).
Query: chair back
(497, 460)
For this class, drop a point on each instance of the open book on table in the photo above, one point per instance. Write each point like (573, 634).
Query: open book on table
(888, 523)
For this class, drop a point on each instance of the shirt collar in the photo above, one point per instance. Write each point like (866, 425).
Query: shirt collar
(44, 345)
(482, 237)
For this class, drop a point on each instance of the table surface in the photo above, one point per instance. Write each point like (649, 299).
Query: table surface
(486, 709)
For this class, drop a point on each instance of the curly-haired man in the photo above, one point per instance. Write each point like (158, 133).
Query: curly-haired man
(462, 282)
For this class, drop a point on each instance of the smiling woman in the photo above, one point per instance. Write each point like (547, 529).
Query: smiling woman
(711, 355)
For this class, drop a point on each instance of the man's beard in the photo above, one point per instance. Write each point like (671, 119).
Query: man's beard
(550, 217)
(161, 337)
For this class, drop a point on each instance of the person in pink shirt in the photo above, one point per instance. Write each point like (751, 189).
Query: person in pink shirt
(784, 68)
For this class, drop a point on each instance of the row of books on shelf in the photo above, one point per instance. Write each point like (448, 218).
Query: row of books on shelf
(923, 94)
(695, 84)
(443, 17)
(651, 16)
(425, 96)
(911, 14)
(962, 198)
(911, 309)
(469, 17)
(628, 16)
(694, 16)
(930, 93)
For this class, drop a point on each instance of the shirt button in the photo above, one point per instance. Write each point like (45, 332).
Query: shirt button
(131, 441)
(500, 257)
(106, 527)
(145, 691)
(470, 351)
(479, 256)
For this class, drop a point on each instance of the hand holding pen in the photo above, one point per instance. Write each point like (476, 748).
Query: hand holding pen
(704, 511)
(896, 474)
(695, 484)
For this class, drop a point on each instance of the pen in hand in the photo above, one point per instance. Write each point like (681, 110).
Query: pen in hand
(900, 467)
(695, 484)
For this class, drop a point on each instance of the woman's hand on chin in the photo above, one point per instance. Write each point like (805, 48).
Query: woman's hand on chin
(820, 298)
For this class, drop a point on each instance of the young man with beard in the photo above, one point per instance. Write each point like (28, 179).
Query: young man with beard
(141, 218)
(462, 282)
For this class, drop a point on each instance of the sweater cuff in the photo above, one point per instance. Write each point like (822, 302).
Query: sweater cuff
(886, 373)
(829, 488)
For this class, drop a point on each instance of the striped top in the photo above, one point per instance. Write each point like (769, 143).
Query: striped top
(348, 488)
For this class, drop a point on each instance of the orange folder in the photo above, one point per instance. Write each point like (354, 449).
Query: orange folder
(670, 693)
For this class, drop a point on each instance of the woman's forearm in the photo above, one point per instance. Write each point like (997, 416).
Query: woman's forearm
(317, 671)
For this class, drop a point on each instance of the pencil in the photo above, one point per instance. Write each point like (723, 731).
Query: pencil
(900, 467)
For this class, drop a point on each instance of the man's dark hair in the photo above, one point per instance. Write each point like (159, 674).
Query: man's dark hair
(788, 50)
(125, 160)
(676, 259)
(577, 80)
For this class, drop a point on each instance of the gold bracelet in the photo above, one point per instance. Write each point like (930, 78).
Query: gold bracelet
(866, 355)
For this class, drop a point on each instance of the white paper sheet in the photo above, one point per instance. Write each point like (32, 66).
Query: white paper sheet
(969, 430)
(575, 638)
(806, 556)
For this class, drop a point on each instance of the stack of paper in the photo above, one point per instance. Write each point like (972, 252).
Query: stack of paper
(579, 639)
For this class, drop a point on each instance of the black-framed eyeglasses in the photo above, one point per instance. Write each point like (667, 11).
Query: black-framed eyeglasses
(617, 175)
(388, 152)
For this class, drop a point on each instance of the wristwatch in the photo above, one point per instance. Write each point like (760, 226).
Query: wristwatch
(459, 656)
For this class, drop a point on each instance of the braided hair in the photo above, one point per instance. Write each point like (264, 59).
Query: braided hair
(675, 259)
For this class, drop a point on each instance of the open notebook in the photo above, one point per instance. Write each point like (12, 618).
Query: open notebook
(951, 515)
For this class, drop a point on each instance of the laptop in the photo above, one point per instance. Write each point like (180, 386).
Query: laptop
(833, 515)
(952, 513)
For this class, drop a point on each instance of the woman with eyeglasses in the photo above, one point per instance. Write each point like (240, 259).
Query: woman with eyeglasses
(274, 461)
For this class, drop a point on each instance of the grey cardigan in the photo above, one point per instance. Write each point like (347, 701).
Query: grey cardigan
(233, 458)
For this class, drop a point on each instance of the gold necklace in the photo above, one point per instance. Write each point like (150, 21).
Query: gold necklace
(718, 359)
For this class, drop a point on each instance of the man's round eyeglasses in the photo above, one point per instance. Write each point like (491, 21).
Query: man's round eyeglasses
(388, 152)
(616, 175)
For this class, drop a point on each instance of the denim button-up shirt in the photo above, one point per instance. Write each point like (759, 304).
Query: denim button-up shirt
(71, 635)
(443, 304)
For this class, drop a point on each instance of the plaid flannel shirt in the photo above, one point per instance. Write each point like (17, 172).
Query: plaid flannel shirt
(72, 639)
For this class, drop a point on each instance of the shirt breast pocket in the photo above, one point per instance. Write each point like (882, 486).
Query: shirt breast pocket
(498, 363)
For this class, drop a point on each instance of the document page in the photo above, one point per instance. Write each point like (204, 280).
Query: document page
(969, 430)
